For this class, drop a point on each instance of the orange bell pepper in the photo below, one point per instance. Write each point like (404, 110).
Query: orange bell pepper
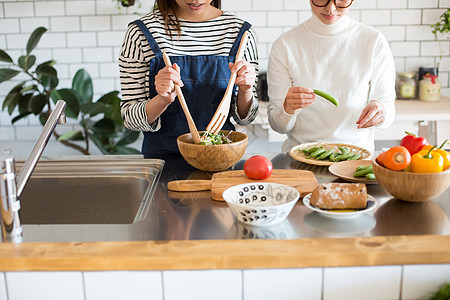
(396, 158)
(427, 161)
(445, 155)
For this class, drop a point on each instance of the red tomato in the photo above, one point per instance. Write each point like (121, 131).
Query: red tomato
(258, 167)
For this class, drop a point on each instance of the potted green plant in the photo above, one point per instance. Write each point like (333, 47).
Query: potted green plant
(442, 27)
(100, 121)
(126, 3)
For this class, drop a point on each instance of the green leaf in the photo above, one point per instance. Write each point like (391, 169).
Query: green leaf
(28, 88)
(126, 150)
(38, 102)
(35, 38)
(46, 70)
(43, 116)
(72, 100)
(5, 57)
(82, 84)
(50, 82)
(114, 112)
(7, 74)
(26, 62)
(128, 137)
(13, 103)
(94, 109)
(25, 103)
(104, 128)
(74, 135)
(13, 93)
(98, 142)
(21, 116)
(107, 98)
(49, 63)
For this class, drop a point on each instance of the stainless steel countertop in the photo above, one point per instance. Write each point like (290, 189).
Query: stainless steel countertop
(195, 216)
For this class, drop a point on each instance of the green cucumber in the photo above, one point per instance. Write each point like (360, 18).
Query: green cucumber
(327, 97)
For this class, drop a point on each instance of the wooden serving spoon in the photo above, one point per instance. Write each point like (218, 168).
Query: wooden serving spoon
(191, 124)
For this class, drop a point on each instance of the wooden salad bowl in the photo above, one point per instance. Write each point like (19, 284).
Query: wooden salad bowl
(412, 187)
(213, 157)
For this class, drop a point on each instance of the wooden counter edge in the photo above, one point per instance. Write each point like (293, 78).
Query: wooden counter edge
(225, 254)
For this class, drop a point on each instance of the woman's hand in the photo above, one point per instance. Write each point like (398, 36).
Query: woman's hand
(245, 76)
(298, 97)
(165, 82)
(372, 115)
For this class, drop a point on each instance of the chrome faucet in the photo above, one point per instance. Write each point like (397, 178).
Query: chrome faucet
(11, 187)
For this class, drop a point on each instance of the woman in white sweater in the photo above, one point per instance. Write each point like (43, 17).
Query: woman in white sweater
(333, 53)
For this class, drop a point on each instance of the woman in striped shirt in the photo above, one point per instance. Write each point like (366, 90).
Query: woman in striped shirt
(201, 41)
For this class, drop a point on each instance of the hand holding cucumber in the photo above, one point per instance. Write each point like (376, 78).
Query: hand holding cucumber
(301, 97)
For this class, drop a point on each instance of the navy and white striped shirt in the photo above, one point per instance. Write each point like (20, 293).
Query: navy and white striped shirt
(212, 37)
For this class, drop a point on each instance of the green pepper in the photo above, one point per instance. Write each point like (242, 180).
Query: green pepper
(344, 156)
(311, 150)
(364, 172)
(344, 149)
(355, 156)
(359, 168)
(370, 176)
(325, 154)
(327, 97)
(317, 152)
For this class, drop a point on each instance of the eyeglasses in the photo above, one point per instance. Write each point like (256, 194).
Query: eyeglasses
(337, 3)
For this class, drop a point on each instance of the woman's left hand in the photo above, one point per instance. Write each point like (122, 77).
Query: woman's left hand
(245, 76)
(372, 115)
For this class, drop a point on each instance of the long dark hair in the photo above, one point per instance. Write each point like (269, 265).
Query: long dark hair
(167, 7)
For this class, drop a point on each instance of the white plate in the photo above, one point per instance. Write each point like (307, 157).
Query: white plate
(371, 204)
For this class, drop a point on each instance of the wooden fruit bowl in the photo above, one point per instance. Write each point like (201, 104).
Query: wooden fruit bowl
(412, 187)
(213, 157)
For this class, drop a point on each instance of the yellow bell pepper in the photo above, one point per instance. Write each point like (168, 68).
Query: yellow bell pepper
(427, 161)
(445, 155)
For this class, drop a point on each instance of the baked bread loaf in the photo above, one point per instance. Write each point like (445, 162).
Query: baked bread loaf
(340, 196)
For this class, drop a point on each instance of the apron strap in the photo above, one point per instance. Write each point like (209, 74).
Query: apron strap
(153, 45)
(246, 26)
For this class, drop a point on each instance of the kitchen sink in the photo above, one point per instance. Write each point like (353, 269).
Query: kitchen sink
(89, 191)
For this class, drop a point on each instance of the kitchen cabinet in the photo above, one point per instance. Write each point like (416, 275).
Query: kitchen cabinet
(198, 242)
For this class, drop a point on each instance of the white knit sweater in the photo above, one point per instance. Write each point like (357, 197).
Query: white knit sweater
(349, 60)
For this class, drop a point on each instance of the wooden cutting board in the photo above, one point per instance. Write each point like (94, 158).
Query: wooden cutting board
(304, 181)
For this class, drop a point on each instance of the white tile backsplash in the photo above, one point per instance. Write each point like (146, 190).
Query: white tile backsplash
(65, 24)
(49, 8)
(95, 23)
(19, 9)
(420, 281)
(355, 283)
(45, 285)
(286, 284)
(203, 285)
(120, 285)
(80, 8)
(81, 39)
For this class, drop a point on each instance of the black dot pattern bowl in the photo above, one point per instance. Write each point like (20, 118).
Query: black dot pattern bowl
(261, 204)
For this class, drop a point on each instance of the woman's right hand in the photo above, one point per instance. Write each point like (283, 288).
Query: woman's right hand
(298, 97)
(165, 82)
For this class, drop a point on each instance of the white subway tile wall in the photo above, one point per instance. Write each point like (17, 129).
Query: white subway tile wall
(89, 34)
(407, 282)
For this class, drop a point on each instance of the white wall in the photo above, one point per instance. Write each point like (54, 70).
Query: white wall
(88, 34)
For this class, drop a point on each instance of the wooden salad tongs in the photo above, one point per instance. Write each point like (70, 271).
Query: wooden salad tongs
(191, 123)
(221, 114)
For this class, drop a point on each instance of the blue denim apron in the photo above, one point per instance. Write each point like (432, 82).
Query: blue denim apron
(205, 79)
